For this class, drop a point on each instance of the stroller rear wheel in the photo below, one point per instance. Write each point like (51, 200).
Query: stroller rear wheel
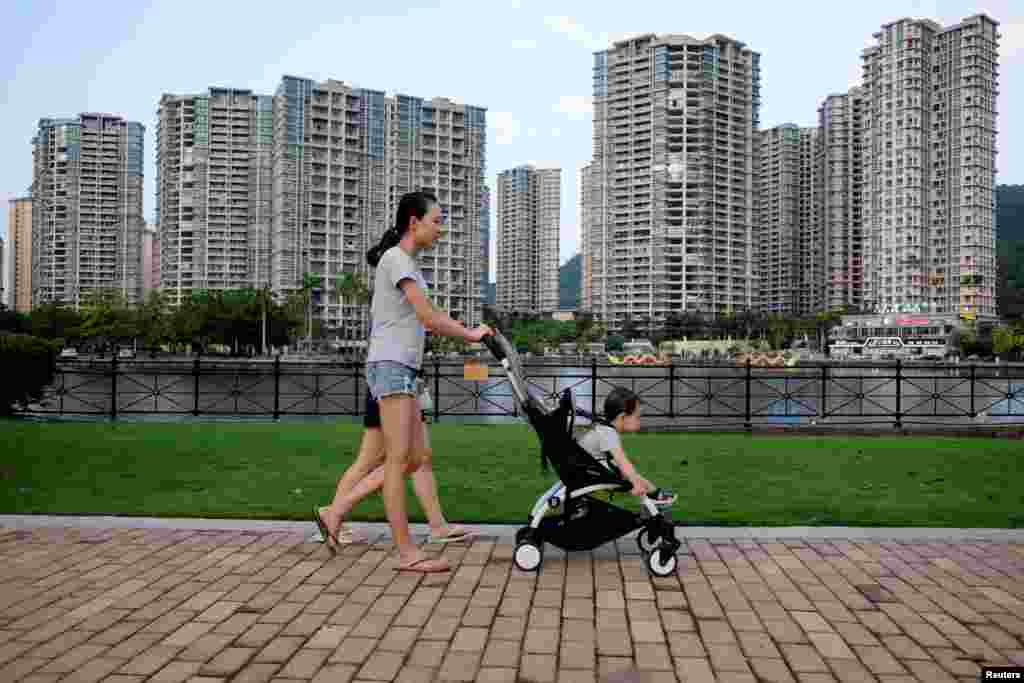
(646, 540)
(528, 556)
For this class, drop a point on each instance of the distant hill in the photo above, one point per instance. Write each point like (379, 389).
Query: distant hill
(570, 277)
(1010, 212)
(1010, 250)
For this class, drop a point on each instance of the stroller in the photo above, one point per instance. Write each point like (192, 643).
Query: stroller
(582, 521)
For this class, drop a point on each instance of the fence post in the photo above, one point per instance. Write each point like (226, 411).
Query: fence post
(593, 385)
(899, 397)
(355, 388)
(437, 389)
(974, 414)
(747, 425)
(195, 386)
(672, 390)
(824, 394)
(277, 387)
(113, 386)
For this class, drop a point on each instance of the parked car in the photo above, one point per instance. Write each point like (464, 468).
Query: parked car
(69, 352)
(126, 353)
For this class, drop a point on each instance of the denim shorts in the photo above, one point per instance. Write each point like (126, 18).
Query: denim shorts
(388, 378)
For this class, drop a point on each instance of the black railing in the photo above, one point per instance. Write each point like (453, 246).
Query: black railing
(690, 396)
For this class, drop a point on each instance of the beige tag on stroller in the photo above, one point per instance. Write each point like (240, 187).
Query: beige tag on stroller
(474, 372)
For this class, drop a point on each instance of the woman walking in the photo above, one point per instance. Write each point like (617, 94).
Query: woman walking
(401, 311)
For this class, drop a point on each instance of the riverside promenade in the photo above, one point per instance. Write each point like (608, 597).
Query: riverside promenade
(124, 600)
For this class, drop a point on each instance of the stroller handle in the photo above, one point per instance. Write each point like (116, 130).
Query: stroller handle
(493, 346)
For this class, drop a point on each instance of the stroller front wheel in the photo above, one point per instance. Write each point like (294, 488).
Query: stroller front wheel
(528, 556)
(660, 567)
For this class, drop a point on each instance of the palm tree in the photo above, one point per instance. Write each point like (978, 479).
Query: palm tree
(309, 283)
(354, 287)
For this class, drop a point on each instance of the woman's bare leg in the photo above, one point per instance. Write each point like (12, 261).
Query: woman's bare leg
(370, 456)
(402, 437)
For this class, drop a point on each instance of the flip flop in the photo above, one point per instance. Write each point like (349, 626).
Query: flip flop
(424, 565)
(323, 531)
(454, 535)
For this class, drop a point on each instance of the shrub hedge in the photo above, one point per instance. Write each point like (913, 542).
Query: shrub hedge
(27, 366)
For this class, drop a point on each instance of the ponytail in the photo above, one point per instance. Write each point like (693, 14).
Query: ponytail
(412, 205)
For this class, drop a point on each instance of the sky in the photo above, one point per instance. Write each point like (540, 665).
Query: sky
(529, 63)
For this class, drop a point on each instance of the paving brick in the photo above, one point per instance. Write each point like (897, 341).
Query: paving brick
(759, 645)
(803, 658)
(353, 650)
(256, 673)
(461, 666)
(426, 653)
(381, 666)
(879, 660)
(771, 670)
(727, 657)
(280, 649)
(694, 670)
(686, 645)
(830, 645)
(228, 662)
(850, 671)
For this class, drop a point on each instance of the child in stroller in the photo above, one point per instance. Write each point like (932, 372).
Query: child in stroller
(601, 440)
(571, 514)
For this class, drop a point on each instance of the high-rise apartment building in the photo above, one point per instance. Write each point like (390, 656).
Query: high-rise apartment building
(841, 120)
(150, 260)
(485, 241)
(670, 218)
(213, 194)
(589, 254)
(529, 208)
(811, 245)
(19, 259)
(778, 233)
(343, 158)
(930, 147)
(87, 209)
(3, 274)
(440, 145)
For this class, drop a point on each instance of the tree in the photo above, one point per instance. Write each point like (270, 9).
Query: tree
(154, 321)
(106, 317)
(12, 321)
(54, 321)
(353, 287)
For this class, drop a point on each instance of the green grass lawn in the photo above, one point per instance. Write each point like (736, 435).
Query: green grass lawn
(492, 474)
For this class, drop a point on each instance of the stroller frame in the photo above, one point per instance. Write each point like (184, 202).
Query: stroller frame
(584, 522)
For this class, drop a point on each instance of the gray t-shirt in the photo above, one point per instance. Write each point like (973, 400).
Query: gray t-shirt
(397, 334)
(599, 440)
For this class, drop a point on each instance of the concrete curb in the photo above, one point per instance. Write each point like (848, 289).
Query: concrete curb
(507, 531)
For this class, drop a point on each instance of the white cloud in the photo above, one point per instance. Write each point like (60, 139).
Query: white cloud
(506, 127)
(577, 33)
(523, 44)
(576, 107)
(1011, 44)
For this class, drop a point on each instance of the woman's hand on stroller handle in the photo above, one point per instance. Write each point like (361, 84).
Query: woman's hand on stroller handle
(491, 342)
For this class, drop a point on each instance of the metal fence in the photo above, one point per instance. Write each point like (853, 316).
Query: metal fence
(689, 396)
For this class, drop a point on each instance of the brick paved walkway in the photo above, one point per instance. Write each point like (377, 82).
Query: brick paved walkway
(167, 605)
